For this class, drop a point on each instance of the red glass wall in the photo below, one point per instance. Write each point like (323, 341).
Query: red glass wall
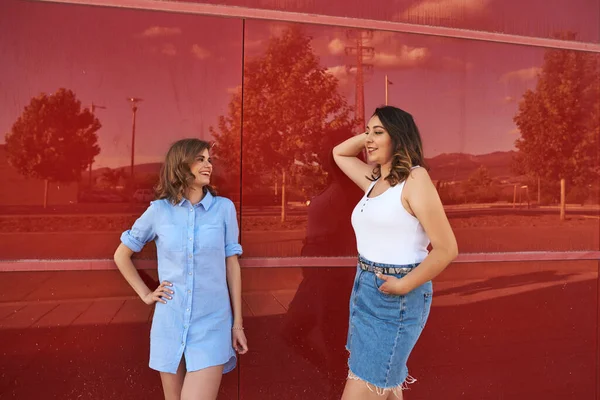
(501, 187)
(82, 333)
(502, 124)
(106, 57)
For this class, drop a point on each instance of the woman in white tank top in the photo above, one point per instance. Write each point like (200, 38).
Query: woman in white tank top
(395, 221)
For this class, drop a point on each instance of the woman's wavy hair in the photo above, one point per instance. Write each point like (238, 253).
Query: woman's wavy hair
(406, 142)
(175, 174)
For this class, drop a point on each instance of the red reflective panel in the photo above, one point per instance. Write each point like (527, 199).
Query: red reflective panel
(494, 155)
(537, 18)
(533, 324)
(498, 131)
(74, 333)
(132, 80)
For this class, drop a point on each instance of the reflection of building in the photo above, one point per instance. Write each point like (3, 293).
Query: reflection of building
(19, 190)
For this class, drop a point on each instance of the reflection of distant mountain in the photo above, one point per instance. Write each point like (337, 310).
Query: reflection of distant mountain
(446, 166)
(139, 169)
(459, 166)
(149, 169)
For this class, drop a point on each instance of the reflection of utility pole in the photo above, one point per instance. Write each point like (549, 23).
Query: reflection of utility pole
(363, 53)
(93, 109)
(133, 101)
(387, 82)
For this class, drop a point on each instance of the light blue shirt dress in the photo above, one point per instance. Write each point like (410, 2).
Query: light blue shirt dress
(192, 243)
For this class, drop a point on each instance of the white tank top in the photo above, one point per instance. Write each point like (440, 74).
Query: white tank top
(386, 232)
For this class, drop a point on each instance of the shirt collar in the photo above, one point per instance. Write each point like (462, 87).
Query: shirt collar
(206, 201)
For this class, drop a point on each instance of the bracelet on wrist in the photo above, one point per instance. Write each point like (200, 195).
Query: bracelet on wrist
(237, 328)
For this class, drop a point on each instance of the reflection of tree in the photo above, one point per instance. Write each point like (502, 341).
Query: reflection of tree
(447, 192)
(112, 177)
(290, 103)
(559, 121)
(481, 187)
(54, 139)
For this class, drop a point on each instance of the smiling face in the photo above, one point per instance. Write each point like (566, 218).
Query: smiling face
(201, 168)
(379, 144)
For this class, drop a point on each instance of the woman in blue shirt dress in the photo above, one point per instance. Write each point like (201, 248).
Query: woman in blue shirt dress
(194, 332)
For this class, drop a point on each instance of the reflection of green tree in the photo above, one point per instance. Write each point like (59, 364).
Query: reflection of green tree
(112, 177)
(481, 187)
(447, 192)
(290, 104)
(54, 139)
(559, 121)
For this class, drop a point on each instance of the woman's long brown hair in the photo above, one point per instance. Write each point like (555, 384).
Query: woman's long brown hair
(175, 174)
(406, 142)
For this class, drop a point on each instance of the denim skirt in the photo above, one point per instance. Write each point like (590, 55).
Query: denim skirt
(384, 328)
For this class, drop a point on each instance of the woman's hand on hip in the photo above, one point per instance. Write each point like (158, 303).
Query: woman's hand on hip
(161, 294)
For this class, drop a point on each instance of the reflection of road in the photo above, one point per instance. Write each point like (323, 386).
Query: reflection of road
(95, 235)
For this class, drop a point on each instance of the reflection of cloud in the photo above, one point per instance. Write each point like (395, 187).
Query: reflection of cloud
(337, 47)
(405, 57)
(523, 75)
(169, 49)
(453, 63)
(445, 9)
(253, 44)
(277, 28)
(390, 52)
(160, 31)
(341, 73)
(509, 99)
(234, 90)
(199, 52)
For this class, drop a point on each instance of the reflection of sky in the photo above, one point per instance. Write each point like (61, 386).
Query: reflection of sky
(463, 94)
(182, 73)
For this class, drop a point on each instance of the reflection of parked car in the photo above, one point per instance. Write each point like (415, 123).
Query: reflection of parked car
(100, 196)
(143, 195)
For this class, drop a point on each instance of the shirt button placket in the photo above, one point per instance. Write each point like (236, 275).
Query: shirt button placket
(190, 269)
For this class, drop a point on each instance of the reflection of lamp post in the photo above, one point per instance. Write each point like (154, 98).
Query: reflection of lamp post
(526, 193)
(133, 101)
(93, 109)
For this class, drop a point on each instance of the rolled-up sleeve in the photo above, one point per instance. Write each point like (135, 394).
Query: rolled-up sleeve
(232, 232)
(142, 230)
